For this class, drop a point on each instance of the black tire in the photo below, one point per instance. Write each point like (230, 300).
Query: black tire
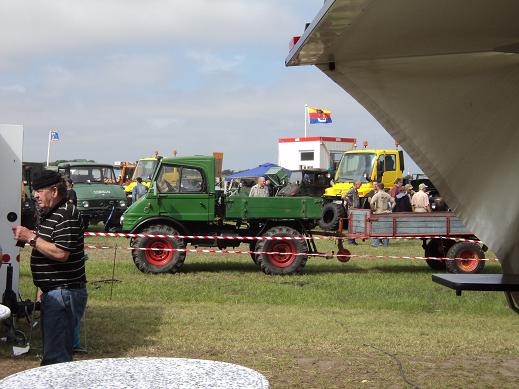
(157, 261)
(282, 264)
(467, 250)
(437, 248)
(331, 215)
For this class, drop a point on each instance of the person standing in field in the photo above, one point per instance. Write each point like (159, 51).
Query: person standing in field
(57, 266)
(352, 201)
(381, 202)
(367, 199)
(138, 190)
(396, 188)
(71, 193)
(403, 200)
(420, 200)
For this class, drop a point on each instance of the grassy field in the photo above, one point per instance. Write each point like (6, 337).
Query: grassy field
(334, 326)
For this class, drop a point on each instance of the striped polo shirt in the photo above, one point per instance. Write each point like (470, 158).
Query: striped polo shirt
(63, 227)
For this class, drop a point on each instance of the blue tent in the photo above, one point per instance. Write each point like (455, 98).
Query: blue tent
(258, 171)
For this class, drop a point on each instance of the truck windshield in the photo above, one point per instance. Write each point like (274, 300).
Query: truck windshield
(145, 169)
(356, 167)
(92, 174)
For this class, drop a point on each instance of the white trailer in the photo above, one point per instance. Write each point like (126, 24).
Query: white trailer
(11, 144)
(321, 152)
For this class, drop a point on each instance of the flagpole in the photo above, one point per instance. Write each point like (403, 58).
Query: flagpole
(48, 149)
(306, 117)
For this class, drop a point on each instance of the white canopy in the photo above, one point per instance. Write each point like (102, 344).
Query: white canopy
(442, 77)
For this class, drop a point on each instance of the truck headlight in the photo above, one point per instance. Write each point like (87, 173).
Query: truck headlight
(121, 220)
(85, 204)
(122, 203)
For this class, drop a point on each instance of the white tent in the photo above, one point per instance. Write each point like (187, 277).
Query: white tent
(442, 77)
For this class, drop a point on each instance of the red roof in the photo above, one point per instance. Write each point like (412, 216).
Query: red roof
(317, 139)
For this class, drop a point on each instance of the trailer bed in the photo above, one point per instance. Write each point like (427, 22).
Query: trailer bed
(363, 224)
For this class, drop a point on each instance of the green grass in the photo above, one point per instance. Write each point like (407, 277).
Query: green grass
(330, 326)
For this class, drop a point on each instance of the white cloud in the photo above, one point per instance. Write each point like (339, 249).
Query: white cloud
(123, 78)
(210, 63)
(50, 26)
(14, 88)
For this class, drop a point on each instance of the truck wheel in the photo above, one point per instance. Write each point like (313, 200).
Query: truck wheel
(471, 255)
(282, 264)
(252, 247)
(158, 260)
(436, 248)
(330, 216)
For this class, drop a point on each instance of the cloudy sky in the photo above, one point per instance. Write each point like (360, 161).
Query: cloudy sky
(120, 79)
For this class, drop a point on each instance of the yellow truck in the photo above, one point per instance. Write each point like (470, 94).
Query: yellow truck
(366, 166)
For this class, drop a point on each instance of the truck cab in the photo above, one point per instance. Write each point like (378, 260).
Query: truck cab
(366, 166)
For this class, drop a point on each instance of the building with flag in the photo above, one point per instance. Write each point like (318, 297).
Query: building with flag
(319, 116)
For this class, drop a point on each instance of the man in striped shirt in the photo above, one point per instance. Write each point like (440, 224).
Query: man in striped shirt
(57, 265)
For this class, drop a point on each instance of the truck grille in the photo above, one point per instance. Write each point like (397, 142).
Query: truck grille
(102, 203)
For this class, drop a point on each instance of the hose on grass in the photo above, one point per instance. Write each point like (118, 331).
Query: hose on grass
(400, 366)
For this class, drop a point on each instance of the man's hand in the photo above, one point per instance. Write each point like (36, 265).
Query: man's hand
(49, 249)
(23, 234)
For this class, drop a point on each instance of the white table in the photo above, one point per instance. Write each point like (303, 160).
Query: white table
(139, 373)
(5, 312)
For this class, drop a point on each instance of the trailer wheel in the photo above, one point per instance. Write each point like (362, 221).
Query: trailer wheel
(158, 260)
(282, 264)
(437, 248)
(331, 215)
(471, 255)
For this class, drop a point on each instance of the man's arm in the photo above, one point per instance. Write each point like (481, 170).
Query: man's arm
(49, 249)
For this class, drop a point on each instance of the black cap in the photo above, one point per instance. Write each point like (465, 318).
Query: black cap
(45, 179)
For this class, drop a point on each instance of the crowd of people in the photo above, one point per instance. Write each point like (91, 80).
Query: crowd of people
(401, 198)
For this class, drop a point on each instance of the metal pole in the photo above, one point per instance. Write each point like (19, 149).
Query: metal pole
(306, 117)
(48, 149)
(113, 273)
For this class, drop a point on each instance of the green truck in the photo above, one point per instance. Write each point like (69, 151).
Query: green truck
(183, 200)
(99, 197)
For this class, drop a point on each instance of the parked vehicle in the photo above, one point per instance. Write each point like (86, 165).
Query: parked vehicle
(183, 200)
(99, 197)
(306, 182)
(365, 166)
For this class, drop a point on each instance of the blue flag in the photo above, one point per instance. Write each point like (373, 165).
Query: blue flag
(53, 136)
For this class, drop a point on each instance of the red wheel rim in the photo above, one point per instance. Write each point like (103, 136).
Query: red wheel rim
(469, 262)
(343, 255)
(158, 257)
(283, 260)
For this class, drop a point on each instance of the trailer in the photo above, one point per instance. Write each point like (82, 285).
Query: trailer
(442, 233)
(11, 141)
